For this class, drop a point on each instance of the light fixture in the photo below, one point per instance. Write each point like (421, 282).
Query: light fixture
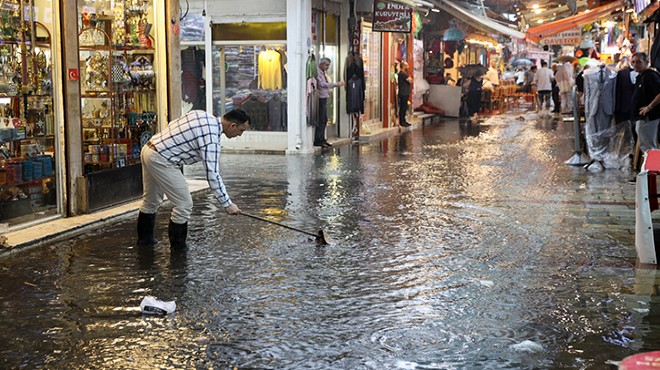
(535, 6)
(435, 10)
(538, 11)
(540, 21)
(629, 10)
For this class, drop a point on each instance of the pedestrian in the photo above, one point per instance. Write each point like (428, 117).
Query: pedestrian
(474, 90)
(645, 110)
(324, 86)
(195, 137)
(543, 81)
(555, 90)
(528, 80)
(403, 81)
(565, 82)
(493, 75)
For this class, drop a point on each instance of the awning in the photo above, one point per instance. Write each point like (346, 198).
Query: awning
(476, 21)
(535, 34)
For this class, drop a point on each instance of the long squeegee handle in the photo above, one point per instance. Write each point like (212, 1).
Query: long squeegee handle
(278, 224)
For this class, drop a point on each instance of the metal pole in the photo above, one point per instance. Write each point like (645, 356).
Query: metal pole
(579, 158)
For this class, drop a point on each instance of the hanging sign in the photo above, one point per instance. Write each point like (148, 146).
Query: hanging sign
(355, 37)
(390, 16)
(571, 37)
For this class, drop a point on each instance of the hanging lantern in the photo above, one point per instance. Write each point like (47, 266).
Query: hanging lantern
(453, 33)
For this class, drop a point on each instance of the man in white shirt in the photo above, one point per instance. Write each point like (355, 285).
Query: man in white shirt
(195, 137)
(543, 81)
(493, 75)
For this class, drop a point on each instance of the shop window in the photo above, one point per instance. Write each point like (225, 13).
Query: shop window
(252, 77)
(193, 84)
(117, 81)
(371, 46)
(28, 135)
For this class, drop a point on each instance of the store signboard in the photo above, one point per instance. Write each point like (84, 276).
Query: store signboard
(391, 16)
(571, 37)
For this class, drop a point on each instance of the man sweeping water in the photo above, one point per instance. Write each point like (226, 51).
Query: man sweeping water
(195, 137)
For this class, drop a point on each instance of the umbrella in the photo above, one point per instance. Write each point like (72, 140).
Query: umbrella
(565, 58)
(473, 70)
(521, 62)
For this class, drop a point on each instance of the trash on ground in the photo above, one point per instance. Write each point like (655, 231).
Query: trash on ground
(154, 306)
(527, 346)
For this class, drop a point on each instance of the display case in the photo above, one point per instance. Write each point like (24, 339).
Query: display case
(117, 79)
(27, 137)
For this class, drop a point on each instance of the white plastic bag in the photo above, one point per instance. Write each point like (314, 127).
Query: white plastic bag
(153, 306)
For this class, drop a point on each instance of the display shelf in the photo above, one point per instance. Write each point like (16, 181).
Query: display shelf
(119, 102)
(26, 182)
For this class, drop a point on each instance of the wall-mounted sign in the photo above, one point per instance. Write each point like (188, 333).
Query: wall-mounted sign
(571, 38)
(390, 16)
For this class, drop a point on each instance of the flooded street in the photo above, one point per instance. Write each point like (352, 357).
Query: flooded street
(456, 246)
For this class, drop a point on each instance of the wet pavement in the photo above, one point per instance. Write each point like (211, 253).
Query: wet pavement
(456, 246)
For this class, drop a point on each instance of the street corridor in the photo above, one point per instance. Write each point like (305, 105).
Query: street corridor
(456, 246)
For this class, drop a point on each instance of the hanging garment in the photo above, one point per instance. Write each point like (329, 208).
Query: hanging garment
(354, 96)
(624, 91)
(354, 74)
(269, 67)
(258, 111)
(284, 64)
(599, 109)
(312, 101)
(275, 113)
(311, 68)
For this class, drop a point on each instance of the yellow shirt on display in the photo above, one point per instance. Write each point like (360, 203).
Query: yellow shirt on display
(270, 70)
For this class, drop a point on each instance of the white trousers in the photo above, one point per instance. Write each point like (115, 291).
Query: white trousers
(160, 177)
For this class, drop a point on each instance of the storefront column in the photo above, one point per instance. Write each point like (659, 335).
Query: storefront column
(172, 54)
(300, 138)
(75, 184)
(386, 104)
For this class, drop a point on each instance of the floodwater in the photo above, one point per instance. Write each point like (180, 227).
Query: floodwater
(456, 246)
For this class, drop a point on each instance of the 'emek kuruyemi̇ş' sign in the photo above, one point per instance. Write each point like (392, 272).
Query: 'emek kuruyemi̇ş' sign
(390, 16)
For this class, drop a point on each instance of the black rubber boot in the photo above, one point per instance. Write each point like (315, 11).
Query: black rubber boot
(145, 229)
(178, 234)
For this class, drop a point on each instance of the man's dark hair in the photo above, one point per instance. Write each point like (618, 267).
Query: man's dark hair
(544, 63)
(237, 115)
(642, 56)
(533, 68)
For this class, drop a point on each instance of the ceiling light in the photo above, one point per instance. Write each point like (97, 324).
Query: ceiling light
(539, 21)
(538, 11)
(436, 10)
(535, 6)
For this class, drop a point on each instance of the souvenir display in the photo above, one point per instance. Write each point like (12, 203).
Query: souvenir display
(27, 141)
(118, 80)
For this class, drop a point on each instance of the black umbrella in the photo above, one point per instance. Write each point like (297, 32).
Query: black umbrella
(473, 70)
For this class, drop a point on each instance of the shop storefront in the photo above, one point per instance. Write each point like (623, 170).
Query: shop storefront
(31, 142)
(121, 102)
(325, 39)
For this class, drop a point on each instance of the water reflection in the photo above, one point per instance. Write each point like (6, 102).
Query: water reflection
(457, 246)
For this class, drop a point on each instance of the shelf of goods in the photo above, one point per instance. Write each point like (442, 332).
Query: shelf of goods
(118, 94)
(27, 132)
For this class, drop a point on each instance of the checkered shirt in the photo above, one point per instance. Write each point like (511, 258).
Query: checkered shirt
(192, 138)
